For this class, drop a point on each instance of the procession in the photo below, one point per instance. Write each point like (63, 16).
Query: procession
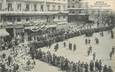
(57, 54)
(72, 51)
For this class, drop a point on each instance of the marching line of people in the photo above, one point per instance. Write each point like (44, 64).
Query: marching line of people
(60, 35)
(69, 66)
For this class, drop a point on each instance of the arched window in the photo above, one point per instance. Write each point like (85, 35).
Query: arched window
(73, 6)
(19, 6)
(0, 6)
(27, 7)
(10, 7)
(53, 8)
(35, 7)
(48, 7)
(59, 7)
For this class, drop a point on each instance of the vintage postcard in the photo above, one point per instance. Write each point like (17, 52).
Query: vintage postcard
(57, 35)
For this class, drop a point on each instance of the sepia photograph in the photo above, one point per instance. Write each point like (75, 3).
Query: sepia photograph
(57, 35)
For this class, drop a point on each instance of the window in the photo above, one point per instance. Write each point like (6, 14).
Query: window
(80, 11)
(35, 7)
(48, 7)
(59, 7)
(64, 17)
(27, 7)
(53, 17)
(64, 7)
(19, 6)
(18, 19)
(9, 19)
(58, 17)
(72, 12)
(27, 19)
(73, 6)
(53, 8)
(42, 8)
(10, 7)
(0, 6)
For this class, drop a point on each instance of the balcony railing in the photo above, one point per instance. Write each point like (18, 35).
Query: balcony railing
(31, 12)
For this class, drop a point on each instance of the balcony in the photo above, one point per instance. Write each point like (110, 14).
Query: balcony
(31, 12)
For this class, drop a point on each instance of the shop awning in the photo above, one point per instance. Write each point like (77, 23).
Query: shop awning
(3, 33)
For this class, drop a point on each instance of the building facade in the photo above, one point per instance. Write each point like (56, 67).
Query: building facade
(99, 12)
(33, 10)
(16, 14)
(77, 10)
(81, 10)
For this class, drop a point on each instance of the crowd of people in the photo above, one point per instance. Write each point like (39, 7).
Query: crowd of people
(7, 55)
(12, 59)
(8, 64)
(69, 66)
(7, 43)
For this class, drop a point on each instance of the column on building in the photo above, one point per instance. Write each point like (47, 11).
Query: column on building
(31, 6)
(23, 6)
(45, 5)
(14, 6)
